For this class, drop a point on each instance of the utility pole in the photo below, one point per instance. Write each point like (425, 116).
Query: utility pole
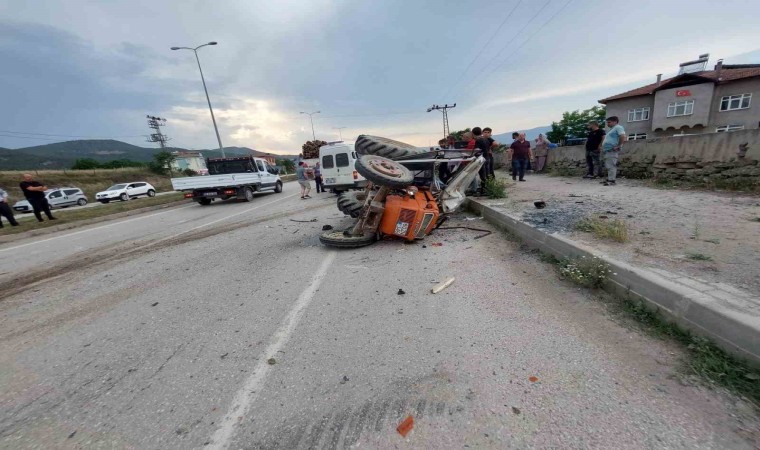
(444, 109)
(313, 136)
(340, 133)
(155, 123)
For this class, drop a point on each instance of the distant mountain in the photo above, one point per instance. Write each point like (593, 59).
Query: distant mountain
(530, 134)
(61, 155)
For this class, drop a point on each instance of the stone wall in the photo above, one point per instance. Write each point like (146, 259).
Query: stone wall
(720, 159)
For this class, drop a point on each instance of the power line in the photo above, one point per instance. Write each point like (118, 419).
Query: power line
(368, 115)
(529, 38)
(482, 49)
(507, 44)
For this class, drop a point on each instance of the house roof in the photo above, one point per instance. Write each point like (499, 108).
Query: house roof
(727, 74)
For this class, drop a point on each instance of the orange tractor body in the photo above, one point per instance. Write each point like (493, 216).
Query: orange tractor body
(409, 216)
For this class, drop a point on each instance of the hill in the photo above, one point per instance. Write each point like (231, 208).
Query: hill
(530, 134)
(61, 155)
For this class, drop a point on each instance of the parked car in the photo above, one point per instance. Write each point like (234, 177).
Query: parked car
(57, 198)
(126, 191)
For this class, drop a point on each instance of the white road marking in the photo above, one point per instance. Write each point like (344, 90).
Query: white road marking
(248, 394)
(145, 217)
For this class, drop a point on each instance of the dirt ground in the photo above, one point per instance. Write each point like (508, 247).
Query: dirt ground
(713, 236)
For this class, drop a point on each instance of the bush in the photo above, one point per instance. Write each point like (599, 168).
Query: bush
(587, 272)
(615, 230)
(189, 173)
(495, 188)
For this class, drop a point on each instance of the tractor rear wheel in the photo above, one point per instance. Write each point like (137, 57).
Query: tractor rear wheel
(388, 148)
(340, 239)
(383, 171)
(351, 203)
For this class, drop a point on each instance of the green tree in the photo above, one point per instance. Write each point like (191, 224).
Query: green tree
(573, 123)
(162, 163)
(85, 164)
(287, 164)
(311, 149)
(458, 134)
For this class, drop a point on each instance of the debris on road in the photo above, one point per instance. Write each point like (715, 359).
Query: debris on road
(406, 426)
(224, 355)
(441, 286)
(303, 221)
(400, 292)
(154, 304)
(344, 380)
(437, 244)
(327, 227)
(533, 379)
(271, 361)
(540, 204)
(516, 410)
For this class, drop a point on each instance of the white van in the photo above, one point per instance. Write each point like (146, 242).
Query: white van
(338, 172)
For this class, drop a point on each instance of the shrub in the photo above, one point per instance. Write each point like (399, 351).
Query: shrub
(495, 188)
(587, 272)
(616, 230)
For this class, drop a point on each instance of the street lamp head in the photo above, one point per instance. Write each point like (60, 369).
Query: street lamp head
(175, 48)
(212, 43)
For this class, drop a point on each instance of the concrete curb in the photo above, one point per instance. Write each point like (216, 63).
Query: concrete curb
(94, 220)
(729, 317)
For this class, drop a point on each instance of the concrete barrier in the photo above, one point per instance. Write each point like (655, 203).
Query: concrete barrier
(728, 316)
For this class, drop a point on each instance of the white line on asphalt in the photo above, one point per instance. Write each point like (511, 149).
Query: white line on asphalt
(91, 229)
(245, 397)
(145, 217)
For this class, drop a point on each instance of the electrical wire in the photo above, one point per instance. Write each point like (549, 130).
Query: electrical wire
(527, 24)
(69, 135)
(482, 49)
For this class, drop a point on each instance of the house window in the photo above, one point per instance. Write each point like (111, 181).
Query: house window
(732, 102)
(637, 136)
(638, 114)
(684, 108)
(725, 128)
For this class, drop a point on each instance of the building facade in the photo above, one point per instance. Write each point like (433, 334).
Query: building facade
(693, 102)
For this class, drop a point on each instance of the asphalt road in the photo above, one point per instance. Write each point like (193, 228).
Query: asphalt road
(230, 326)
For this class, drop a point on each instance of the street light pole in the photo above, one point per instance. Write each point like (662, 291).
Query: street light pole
(340, 133)
(211, 110)
(314, 136)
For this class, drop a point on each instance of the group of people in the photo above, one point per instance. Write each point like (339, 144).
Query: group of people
(606, 146)
(304, 174)
(34, 191)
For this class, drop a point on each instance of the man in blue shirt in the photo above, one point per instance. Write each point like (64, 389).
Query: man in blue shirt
(613, 143)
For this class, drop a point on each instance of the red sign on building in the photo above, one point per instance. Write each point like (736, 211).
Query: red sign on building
(683, 93)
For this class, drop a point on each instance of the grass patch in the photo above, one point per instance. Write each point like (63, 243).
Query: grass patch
(699, 257)
(28, 222)
(705, 358)
(615, 230)
(563, 172)
(587, 272)
(495, 188)
(755, 219)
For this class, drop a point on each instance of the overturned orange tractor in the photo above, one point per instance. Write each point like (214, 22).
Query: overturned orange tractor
(410, 191)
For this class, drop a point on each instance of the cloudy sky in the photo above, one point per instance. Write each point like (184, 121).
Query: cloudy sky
(94, 69)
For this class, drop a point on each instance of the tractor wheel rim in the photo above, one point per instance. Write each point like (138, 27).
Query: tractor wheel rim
(387, 168)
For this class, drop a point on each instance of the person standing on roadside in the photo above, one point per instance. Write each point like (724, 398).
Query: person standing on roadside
(520, 153)
(318, 178)
(542, 151)
(303, 180)
(594, 149)
(5, 209)
(487, 131)
(34, 191)
(613, 143)
(482, 146)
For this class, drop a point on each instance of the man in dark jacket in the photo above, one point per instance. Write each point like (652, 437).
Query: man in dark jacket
(594, 149)
(5, 209)
(34, 192)
(520, 154)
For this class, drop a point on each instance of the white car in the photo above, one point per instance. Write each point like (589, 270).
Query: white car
(57, 198)
(126, 191)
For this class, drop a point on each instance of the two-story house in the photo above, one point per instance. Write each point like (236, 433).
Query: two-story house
(693, 102)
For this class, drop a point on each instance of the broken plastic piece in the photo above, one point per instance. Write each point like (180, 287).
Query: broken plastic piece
(400, 292)
(437, 244)
(406, 426)
(533, 379)
(441, 286)
(271, 361)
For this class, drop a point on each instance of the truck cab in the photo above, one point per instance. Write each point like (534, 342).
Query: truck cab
(338, 172)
